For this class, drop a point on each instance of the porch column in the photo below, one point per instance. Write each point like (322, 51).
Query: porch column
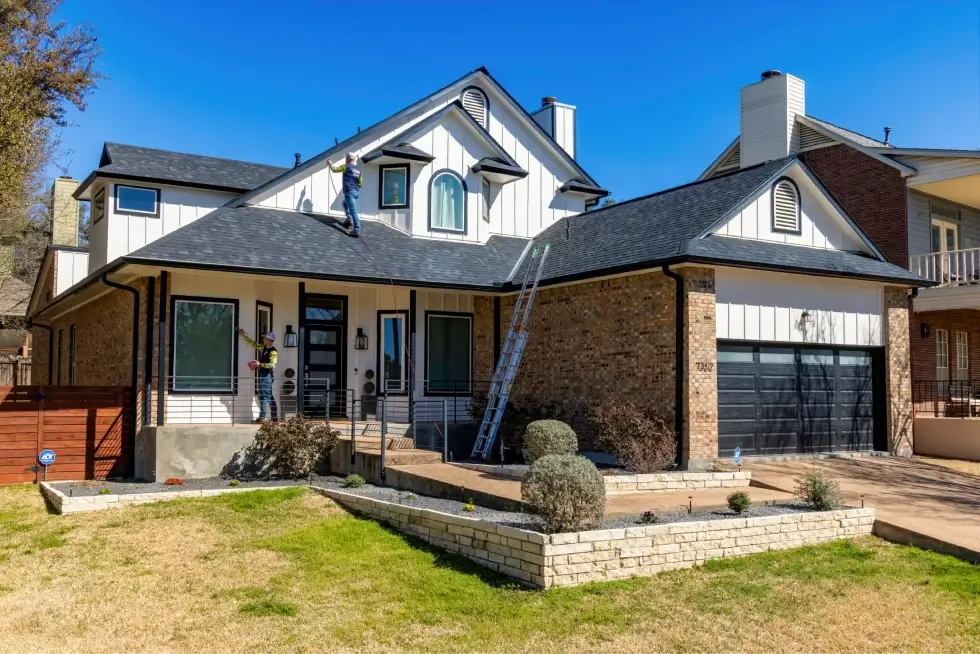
(412, 313)
(700, 369)
(898, 371)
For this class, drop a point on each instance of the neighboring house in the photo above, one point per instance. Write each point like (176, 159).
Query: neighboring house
(739, 296)
(920, 206)
(14, 338)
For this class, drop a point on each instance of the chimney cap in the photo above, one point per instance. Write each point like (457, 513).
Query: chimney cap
(772, 72)
(548, 99)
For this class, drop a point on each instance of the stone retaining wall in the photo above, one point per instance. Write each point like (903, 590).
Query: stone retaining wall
(576, 558)
(64, 504)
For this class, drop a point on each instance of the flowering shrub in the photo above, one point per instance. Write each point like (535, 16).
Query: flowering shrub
(174, 481)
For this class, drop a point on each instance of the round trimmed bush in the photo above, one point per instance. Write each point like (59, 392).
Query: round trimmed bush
(739, 502)
(566, 491)
(544, 437)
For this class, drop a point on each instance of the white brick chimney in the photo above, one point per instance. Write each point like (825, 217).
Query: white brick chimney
(768, 118)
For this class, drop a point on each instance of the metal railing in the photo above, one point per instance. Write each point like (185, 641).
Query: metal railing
(955, 398)
(954, 268)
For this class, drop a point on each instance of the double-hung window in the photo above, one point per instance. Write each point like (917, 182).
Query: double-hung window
(138, 200)
(962, 356)
(449, 353)
(204, 344)
(394, 187)
(392, 351)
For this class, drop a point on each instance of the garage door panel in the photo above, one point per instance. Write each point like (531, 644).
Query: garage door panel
(794, 399)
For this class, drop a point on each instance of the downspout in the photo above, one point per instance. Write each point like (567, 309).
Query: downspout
(50, 348)
(135, 358)
(678, 361)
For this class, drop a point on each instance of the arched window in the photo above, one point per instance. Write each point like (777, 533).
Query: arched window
(447, 202)
(476, 103)
(785, 206)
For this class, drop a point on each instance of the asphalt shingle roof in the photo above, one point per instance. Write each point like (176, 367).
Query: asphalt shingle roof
(860, 139)
(288, 242)
(196, 169)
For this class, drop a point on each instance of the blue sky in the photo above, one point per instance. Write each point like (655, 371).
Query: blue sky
(656, 83)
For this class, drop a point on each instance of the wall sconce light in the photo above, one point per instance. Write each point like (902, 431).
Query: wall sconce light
(292, 339)
(361, 340)
(925, 329)
(805, 317)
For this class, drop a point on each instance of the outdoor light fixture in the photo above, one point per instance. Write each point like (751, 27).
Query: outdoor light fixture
(360, 341)
(292, 338)
(925, 330)
(805, 317)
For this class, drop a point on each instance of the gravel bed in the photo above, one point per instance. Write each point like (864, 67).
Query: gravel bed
(129, 486)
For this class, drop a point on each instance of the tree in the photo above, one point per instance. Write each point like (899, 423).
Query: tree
(45, 67)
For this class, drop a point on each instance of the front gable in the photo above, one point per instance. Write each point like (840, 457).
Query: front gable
(821, 222)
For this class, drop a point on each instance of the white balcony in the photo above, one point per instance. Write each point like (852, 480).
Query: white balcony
(958, 274)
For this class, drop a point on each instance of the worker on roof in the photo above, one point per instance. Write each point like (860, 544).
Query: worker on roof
(266, 367)
(353, 180)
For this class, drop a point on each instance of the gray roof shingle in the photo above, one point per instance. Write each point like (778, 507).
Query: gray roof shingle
(131, 161)
(860, 139)
(273, 241)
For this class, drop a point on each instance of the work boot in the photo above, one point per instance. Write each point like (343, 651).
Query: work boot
(348, 223)
(355, 233)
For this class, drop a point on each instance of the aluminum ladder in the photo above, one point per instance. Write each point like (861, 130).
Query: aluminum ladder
(510, 355)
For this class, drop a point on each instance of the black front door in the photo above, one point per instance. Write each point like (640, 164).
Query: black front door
(323, 371)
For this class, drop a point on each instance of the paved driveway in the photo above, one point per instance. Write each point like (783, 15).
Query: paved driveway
(935, 501)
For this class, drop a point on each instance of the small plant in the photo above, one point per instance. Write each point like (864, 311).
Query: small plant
(105, 490)
(174, 481)
(739, 502)
(648, 518)
(544, 437)
(409, 496)
(292, 449)
(353, 481)
(642, 441)
(566, 491)
(819, 490)
(469, 507)
(234, 482)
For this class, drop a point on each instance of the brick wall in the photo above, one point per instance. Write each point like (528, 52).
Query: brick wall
(924, 349)
(898, 371)
(700, 354)
(872, 193)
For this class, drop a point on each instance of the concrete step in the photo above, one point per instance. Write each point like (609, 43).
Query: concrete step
(393, 443)
(370, 428)
(403, 457)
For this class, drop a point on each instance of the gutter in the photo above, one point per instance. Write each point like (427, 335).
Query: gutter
(50, 347)
(135, 358)
(678, 361)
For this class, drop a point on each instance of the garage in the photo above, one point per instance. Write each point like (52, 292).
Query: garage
(777, 399)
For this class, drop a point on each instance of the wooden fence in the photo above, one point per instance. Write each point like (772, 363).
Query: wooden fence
(15, 371)
(86, 426)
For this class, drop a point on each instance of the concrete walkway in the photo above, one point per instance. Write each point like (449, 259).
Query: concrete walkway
(931, 500)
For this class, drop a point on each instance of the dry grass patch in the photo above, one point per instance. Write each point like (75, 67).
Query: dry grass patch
(289, 571)
(960, 465)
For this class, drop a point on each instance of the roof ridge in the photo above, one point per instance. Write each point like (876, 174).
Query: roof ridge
(846, 129)
(191, 154)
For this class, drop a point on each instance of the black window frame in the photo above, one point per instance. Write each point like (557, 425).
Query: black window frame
(72, 353)
(174, 299)
(381, 186)
(379, 369)
(135, 212)
(462, 181)
(449, 314)
(486, 192)
(98, 197)
(772, 208)
(61, 338)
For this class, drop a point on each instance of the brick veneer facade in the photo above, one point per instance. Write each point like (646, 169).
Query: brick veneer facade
(700, 370)
(898, 371)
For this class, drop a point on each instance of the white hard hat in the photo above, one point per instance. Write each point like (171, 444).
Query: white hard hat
(351, 155)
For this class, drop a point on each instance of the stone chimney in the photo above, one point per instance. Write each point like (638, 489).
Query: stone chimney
(64, 212)
(558, 121)
(768, 118)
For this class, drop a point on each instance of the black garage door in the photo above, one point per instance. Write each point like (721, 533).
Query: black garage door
(784, 400)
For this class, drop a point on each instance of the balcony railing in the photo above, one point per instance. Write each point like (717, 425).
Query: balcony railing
(954, 398)
(955, 268)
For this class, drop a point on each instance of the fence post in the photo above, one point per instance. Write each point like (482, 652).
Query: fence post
(384, 434)
(445, 431)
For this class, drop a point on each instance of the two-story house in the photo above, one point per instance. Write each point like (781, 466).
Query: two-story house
(648, 300)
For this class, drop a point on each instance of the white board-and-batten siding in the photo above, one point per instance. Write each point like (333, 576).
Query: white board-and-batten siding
(767, 307)
(519, 208)
(70, 268)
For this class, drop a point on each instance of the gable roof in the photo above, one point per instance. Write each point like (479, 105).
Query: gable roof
(855, 137)
(288, 243)
(672, 227)
(386, 125)
(151, 164)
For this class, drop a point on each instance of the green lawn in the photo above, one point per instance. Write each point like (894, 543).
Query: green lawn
(289, 571)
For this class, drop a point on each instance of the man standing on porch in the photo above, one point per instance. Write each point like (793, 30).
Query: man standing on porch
(266, 366)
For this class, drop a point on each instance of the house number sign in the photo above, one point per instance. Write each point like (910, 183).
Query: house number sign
(704, 366)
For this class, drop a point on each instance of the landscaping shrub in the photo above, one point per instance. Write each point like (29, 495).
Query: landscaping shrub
(819, 490)
(642, 441)
(566, 491)
(516, 419)
(174, 481)
(739, 502)
(543, 437)
(293, 448)
(234, 482)
(353, 481)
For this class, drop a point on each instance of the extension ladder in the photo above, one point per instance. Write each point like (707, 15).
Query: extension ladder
(510, 355)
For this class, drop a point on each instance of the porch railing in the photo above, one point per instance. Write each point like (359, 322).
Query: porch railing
(954, 268)
(955, 398)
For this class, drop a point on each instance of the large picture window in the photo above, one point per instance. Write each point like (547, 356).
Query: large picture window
(394, 187)
(138, 200)
(204, 344)
(447, 202)
(449, 353)
(392, 344)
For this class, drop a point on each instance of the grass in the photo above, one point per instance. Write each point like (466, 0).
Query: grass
(960, 465)
(289, 571)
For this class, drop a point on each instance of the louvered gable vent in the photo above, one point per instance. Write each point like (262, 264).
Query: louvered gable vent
(811, 138)
(785, 207)
(475, 103)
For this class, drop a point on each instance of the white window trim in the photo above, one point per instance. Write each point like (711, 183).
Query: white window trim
(798, 208)
(464, 190)
(428, 320)
(232, 376)
(942, 361)
(402, 384)
(137, 212)
(485, 192)
(962, 356)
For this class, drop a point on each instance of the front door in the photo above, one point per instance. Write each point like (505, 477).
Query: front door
(945, 241)
(323, 371)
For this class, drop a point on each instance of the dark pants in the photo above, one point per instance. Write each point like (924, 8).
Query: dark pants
(266, 397)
